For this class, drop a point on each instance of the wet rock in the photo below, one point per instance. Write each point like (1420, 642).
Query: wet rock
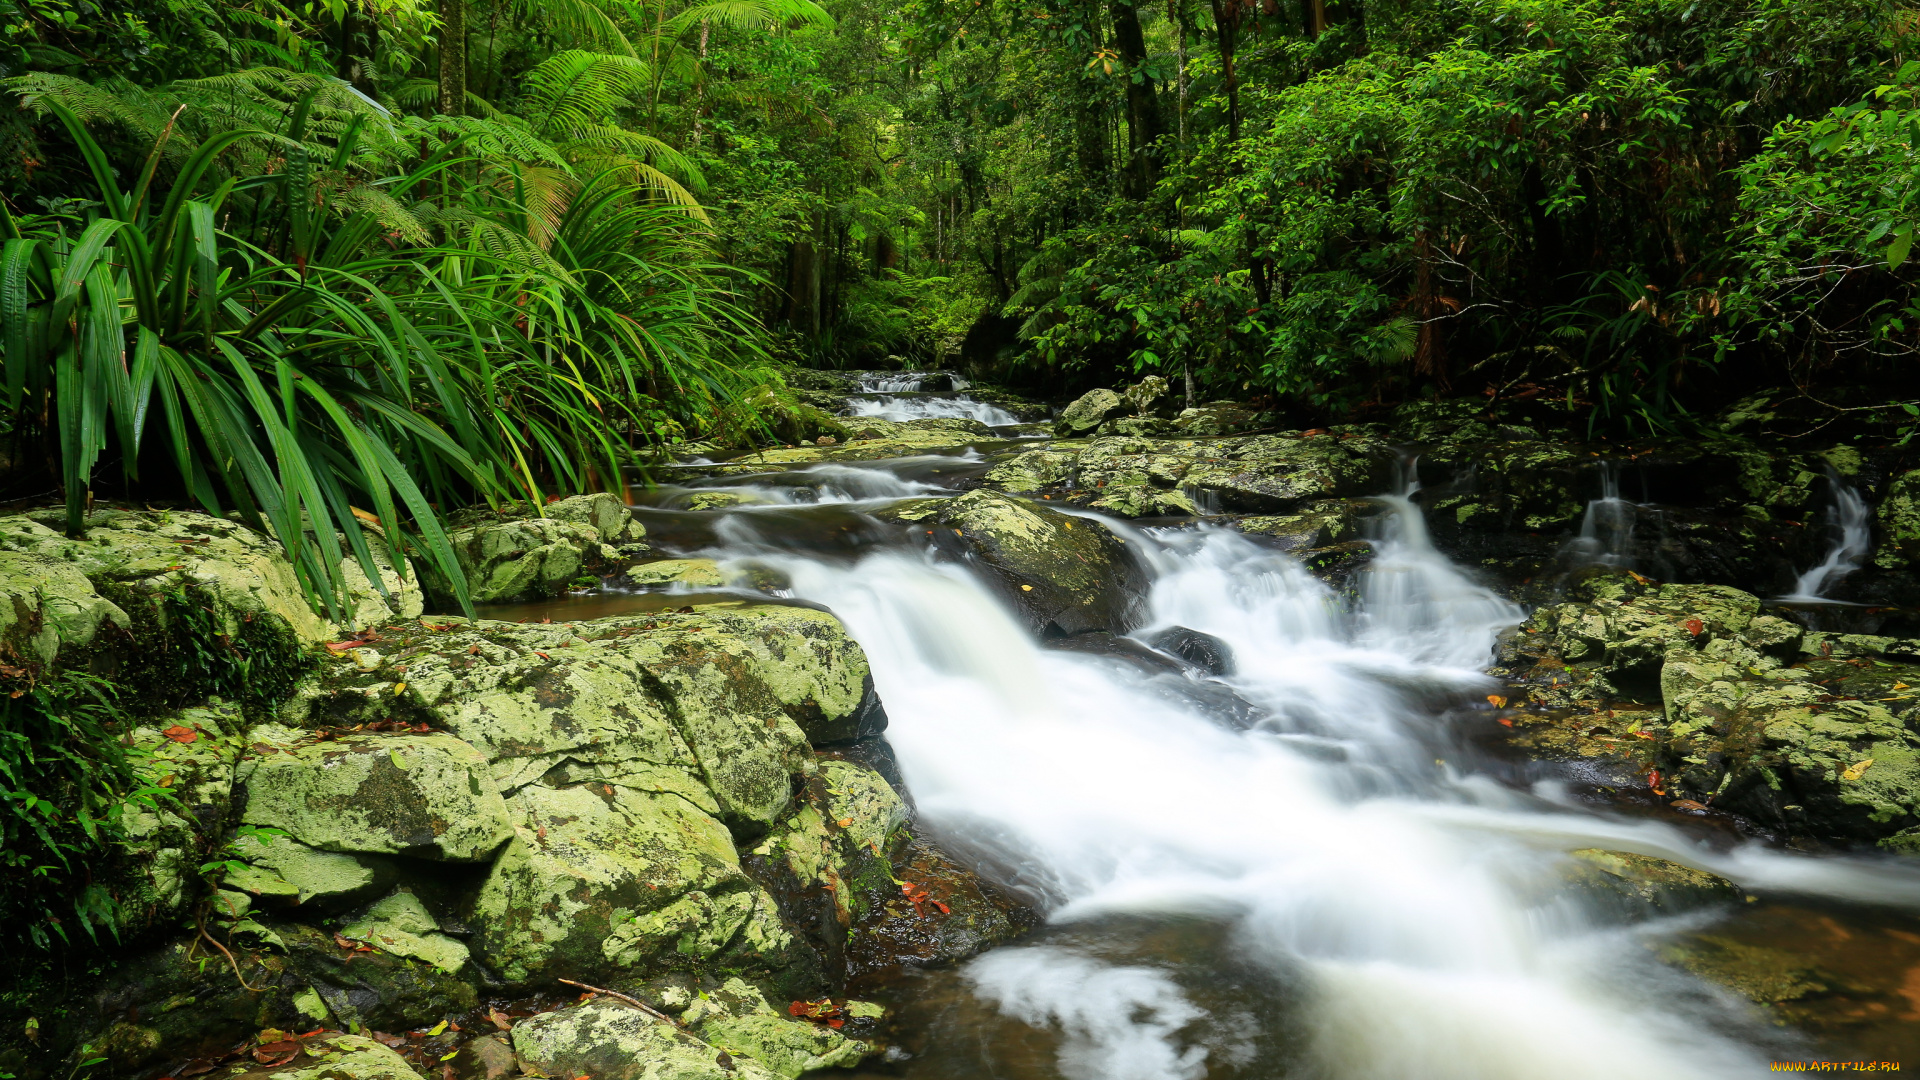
(1204, 651)
(1065, 575)
(1150, 396)
(722, 500)
(1762, 975)
(427, 796)
(943, 913)
(609, 1040)
(1035, 470)
(489, 1057)
(1319, 525)
(1148, 660)
(693, 573)
(1089, 411)
(1628, 884)
(601, 879)
(1134, 477)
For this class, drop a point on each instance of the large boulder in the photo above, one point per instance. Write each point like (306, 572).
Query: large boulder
(602, 879)
(573, 541)
(1630, 885)
(243, 575)
(1899, 520)
(189, 756)
(347, 1057)
(1089, 411)
(47, 606)
(1065, 575)
(427, 796)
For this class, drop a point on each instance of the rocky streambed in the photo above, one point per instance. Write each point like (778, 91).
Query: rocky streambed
(1149, 742)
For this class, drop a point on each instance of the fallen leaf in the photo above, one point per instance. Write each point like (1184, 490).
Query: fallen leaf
(1695, 627)
(181, 734)
(390, 1041)
(1687, 804)
(436, 1029)
(266, 1053)
(397, 687)
(1026, 588)
(1856, 770)
(1496, 701)
(844, 822)
(1504, 722)
(500, 1019)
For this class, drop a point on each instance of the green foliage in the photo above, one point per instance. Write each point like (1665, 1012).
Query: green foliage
(66, 780)
(183, 653)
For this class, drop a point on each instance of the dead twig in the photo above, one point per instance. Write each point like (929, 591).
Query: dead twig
(635, 1002)
(236, 964)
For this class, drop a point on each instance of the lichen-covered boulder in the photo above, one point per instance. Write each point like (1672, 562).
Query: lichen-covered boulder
(372, 987)
(609, 1040)
(837, 843)
(1035, 470)
(401, 925)
(427, 796)
(1089, 411)
(601, 879)
(243, 574)
(521, 559)
(1136, 477)
(941, 913)
(736, 1014)
(280, 871)
(1221, 418)
(1899, 520)
(46, 606)
(1065, 575)
(606, 515)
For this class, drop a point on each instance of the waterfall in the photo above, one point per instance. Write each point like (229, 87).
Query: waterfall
(1408, 911)
(958, 406)
(1848, 525)
(1606, 530)
(903, 383)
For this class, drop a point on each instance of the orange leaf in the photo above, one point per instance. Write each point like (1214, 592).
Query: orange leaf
(844, 822)
(1504, 722)
(1695, 627)
(1496, 701)
(1687, 804)
(181, 734)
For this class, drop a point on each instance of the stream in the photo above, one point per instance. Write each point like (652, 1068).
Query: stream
(1348, 889)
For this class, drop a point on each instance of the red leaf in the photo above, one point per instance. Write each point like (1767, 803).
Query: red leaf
(389, 1041)
(181, 734)
(1695, 627)
(196, 1067)
(500, 1019)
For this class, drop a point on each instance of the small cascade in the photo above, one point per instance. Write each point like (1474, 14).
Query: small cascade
(958, 406)
(1847, 524)
(1606, 530)
(904, 383)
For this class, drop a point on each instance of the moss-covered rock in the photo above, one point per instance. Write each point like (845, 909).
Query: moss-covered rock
(400, 924)
(1634, 885)
(1089, 411)
(693, 573)
(377, 989)
(47, 605)
(1221, 418)
(243, 575)
(1898, 545)
(940, 914)
(280, 871)
(735, 1015)
(190, 756)
(427, 796)
(606, 515)
(346, 1057)
(1066, 575)
(603, 879)
(609, 1040)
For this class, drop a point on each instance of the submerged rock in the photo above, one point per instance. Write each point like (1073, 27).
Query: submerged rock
(1204, 651)
(693, 573)
(1630, 884)
(1066, 575)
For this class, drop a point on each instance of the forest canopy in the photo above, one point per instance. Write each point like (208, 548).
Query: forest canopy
(354, 258)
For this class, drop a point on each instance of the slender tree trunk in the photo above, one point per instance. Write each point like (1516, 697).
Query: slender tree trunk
(1225, 19)
(453, 57)
(700, 83)
(1143, 105)
(1316, 18)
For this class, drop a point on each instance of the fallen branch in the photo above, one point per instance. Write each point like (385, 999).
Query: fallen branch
(635, 1002)
(229, 955)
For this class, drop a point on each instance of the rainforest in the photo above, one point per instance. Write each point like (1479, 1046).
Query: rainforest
(1035, 539)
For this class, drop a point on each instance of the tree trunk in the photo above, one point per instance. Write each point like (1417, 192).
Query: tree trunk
(1143, 105)
(700, 84)
(453, 58)
(1226, 18)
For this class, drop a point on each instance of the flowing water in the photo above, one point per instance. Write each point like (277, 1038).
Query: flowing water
(1851, 537)
(1607, 528)
(1336, 894)
(958, 406)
